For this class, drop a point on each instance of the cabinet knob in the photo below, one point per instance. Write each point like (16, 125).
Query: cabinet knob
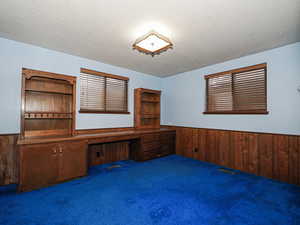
(54, 150)
(60, 149)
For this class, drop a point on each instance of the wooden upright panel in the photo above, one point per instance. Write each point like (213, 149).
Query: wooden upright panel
(294, 160)
(266, 155)
(240, 147)
(8, 159)
(281, 158)
(212, 146)
(108, 153)
(224, 146)
(202, 149)
(270, 155)
(253, 153)
(184, 142)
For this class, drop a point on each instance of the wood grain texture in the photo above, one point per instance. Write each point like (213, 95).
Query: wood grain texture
(8, 159)
(202, 154)
(184, 142)
(266, 155)
(48, 104)
(42, 165)
(146, 108)
(281, 158)
(294, 160)
(8, 148)
(108, 153)
(274, 156)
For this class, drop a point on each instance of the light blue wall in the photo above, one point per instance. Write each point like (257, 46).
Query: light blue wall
(184, 95)
(15, 55)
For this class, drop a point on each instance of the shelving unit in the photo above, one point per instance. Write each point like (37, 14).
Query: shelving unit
(147, 108)
(48, 104)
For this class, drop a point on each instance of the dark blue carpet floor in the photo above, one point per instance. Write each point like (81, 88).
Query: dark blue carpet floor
(166, 191)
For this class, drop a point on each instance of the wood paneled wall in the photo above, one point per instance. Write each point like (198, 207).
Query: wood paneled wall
(270, 155)
(108, 153)
(8, 161)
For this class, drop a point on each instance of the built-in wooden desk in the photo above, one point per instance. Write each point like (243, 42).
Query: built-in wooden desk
(46, 161)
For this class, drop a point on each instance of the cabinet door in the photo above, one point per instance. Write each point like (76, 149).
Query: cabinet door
(72, 160)
(38, 166)
(167, 141)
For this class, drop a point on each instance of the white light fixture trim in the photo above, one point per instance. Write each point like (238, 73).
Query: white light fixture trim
(152, 43)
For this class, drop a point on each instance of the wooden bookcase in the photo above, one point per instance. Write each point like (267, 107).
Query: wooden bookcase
(48, 104)
(146, 108)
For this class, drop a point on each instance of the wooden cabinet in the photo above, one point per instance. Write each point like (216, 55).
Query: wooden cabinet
(44, 164)
(38, 166)
(146, 108)
(156, 145)
(72, 160)
(48, 104)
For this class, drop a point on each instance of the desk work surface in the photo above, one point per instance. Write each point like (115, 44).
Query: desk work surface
(132, 134)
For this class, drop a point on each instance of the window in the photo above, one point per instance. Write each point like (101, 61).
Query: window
(240, 91)
(103, 93)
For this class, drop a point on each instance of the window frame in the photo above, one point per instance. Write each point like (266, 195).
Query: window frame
(232, 72)
(106, 75)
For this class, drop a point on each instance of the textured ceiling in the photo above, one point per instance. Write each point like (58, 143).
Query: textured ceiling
(203, 32)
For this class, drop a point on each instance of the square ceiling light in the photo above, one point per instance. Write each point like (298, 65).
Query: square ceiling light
(152, 43)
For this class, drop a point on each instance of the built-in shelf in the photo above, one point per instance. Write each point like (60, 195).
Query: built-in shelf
(48, 104)
(150, 116)
(146, 108)
(150, 101)
(47, 115)
(48, 92)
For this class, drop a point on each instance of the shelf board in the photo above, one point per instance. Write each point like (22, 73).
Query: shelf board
(150, 101)
(47, 115)
(150, 116)
(49, 133)
(48, 92)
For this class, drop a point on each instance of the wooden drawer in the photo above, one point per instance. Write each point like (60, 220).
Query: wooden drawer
(167, 149)
(151, 154)
(150, 138)
(168, 137)
(150, 145)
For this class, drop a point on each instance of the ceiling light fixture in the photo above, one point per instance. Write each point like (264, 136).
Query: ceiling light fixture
(152, 43)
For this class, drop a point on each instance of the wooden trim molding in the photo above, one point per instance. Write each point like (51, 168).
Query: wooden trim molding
(8, 159)
(97, 73)
(102, 112)
(150, 91)
(245, 112)
(241, 94)
(239, 70)
(103, 130)
(29, 73)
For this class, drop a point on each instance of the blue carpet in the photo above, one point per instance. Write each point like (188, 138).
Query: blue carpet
(166, 191)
